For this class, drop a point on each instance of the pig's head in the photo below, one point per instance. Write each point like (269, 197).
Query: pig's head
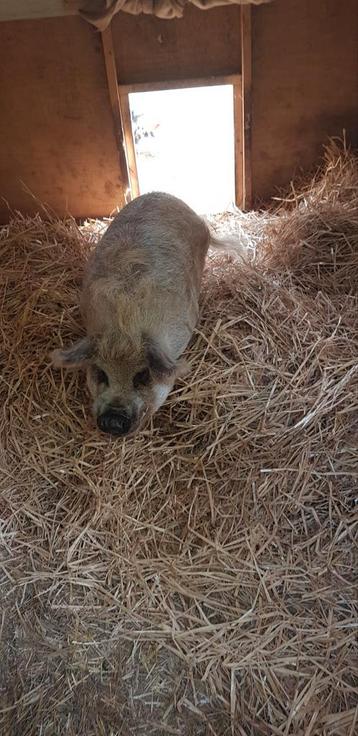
(128, 383)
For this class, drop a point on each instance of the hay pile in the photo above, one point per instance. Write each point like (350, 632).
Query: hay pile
(198, 578)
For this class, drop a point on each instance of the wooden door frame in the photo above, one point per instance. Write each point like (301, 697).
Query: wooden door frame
(124, 90)
(246, 103)
(117, 113)
(242, 92)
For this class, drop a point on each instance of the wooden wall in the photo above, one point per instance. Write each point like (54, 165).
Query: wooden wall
(57, 132)
(56, 126)
(201, 44)
(304, 85)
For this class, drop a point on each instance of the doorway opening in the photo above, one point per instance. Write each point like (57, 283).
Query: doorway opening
(184, 144)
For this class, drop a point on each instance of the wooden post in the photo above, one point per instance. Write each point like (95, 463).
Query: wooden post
(109, 59)
(246, 76)
(238, 144)
(129, 142)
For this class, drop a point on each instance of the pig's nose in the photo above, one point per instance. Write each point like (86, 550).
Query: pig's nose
(115, 421)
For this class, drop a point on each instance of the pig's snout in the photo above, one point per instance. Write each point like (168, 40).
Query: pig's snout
(115, 421)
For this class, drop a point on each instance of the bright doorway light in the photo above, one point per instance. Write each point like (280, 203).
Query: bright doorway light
(184, 144)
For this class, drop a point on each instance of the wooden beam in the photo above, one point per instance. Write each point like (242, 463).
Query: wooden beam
(129, 142)
(238, 146)
(246, 75)
(112, 81)
(180, 83)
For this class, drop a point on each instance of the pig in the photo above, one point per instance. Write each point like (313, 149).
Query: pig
(140, 306)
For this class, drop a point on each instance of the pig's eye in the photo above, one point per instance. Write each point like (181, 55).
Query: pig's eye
(101, 376)
(142, 378)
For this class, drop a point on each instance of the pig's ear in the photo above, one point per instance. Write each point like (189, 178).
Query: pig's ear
(159, 362)
(75, 356)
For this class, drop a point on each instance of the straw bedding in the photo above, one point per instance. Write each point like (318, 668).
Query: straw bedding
(198, 578)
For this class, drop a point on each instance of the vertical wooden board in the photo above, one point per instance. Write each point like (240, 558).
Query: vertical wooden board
(201, 44)
(56, 126)
(305, 86)
(240, 199)
(246, 76)
(130, 147)
(112, 83)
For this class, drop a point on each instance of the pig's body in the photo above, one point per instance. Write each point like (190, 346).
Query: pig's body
(144, 277)
(140, 306)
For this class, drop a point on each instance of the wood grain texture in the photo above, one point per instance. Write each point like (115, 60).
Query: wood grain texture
(239, 145)
(27, 9)
(118, 122)
(201, 44)
(56, 126)
(304, 88)
(129, 143)
(245, 131)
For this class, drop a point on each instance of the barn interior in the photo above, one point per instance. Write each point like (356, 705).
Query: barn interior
(198, 578)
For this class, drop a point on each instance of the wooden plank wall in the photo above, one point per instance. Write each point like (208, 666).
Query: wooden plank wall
(56, 125)
(305, 85)
(201, 44)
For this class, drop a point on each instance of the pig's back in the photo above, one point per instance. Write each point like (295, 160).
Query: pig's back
(155, 235)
